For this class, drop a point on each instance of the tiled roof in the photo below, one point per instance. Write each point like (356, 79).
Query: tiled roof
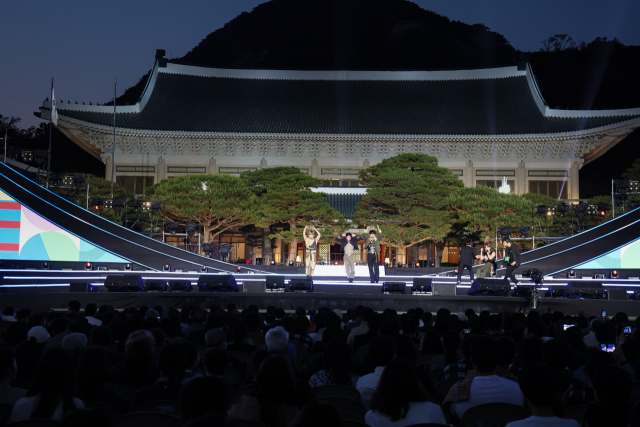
(344, 203)
(500, 106)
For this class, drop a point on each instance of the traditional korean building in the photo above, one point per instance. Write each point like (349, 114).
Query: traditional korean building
(483, 124)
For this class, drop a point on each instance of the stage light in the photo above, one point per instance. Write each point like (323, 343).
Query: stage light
(55, 177)
(399, 265)
(614, 274)
(417, 265)
(633, 186)
(135, 205)
(432, 264)
(108, 204)
(127, 267)
(291, 263)
(580, 209)
(172, 227)
(541, 211)
(207, 248)
(562, 209)
(273, 262)
(96, 202)
(525, 231)
(88, 266)
(78, 181)
(603, 208)
(335, 263)
(551, 210)
(67, 180)
(572, 273)
(40, 156)
(203, 269)
(591, 209)
(45, 266)
(238, 269)
(166, 267)
(155, 206)
(27, 156)
(505, 232)
(191, 229)
(118, 204)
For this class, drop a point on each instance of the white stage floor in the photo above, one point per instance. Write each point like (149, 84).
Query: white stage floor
(339, 271)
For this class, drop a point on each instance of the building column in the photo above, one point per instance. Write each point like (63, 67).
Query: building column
(107, 168)
(574, 180)
(468, 174)
(263, 163)
(521, 178)
(161, 172)
(315, 168)
(212, 168)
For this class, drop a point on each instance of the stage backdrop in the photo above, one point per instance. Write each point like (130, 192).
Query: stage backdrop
(627, 256)
(25, 235)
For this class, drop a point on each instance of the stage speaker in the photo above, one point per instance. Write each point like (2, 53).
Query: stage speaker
(274, 281)
(156, 286)
(559, 291)
(422, 284)
(217, 283)
(617, 295)
(301, 285)
(180, 285)
(394, 288)
(444, 290)
(254, 287)
(82, 287)
(587, 288)
(124, 283)
(499, 287)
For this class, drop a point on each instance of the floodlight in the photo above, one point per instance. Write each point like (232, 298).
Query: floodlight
(525, 231)
(118, 204)
(172, 227)
(505, 232)
(541, 211)
(78, 180)
(155, 206)
(135, 205)
(96, 202)
(27, 156)
(580, 209)
(562, 209)
(207, 248)
(191, 229)
(108, 204)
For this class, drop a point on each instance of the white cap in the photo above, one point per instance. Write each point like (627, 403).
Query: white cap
(39, 333)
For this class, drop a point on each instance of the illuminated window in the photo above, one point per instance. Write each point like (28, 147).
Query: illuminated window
(134, 184)
(554, 189)
(549, 173)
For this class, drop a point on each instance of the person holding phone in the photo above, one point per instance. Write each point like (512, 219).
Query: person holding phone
(512, 259)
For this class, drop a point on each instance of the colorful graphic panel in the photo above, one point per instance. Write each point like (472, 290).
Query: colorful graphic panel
(626, 257)
(25, 235)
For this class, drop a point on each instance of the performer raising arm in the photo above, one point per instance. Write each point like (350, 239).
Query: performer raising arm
(310, 244)
(348, 245)
(373, 248)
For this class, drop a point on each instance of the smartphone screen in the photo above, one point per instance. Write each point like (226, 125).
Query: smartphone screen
(609, 348)
(567, 327)
(604, 313)
(627, 330)
(308, 316)
(466, 331)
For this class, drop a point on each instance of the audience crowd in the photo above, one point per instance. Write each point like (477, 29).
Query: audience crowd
(214, 366)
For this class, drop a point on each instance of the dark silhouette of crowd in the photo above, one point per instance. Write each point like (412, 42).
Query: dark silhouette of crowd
(230, 367)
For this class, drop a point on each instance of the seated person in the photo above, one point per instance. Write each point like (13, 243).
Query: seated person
(539, 384)
(337, 367)
(612, 390)
(382, 350)
(486, 386)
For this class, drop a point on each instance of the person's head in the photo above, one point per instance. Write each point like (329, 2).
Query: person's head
(216, 361)
(330, 334)
(93, 370)
(276, 339)
(485, 353)
(9, 311)
(216, 338)
(74, 343)
(36, 320)
(495, 324)
(597, 359)
(172, 361)
(200, 318)
(317, 414)
(257, 358)
(39, 334)
(406, 349)
(74, 306)
(451, 343)
(487, 246)
(141, 335)
(301, 325)
(53, 382)
(203, 395)
(348, 237)
(23, 315)
(631, 350)
(90, 309)
(557, 354)
(372, 233)
(366, 313)
(533, 328)
(612, 386)
(138, 357)
(538, 383)
(337, 361)
(508, 351)
(606, 334)
(16, 333)
(101, 336)
(151, 314)
(398, 387)
(382, 350)
(27, 356)
(469, 243)
(506, 242)
(275, 384)
(8, 367)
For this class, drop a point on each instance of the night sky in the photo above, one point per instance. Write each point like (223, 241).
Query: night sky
(85, 44)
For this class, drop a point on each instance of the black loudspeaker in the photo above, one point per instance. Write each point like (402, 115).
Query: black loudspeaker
(301, 285)
(124, 283)
(274, 281)
(82, 287)
(394, 288)
(490, 287)
(156, 285)
(587, 288)
(444, 290)
(254, 287)
(217, 283)
(617, 295)
(422, 284)
(180, 286)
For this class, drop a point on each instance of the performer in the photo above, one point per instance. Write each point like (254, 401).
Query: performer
(467, 255)
(373, 248)
(512, 258)
(488, 256)
(310, 244)
(348, 246)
